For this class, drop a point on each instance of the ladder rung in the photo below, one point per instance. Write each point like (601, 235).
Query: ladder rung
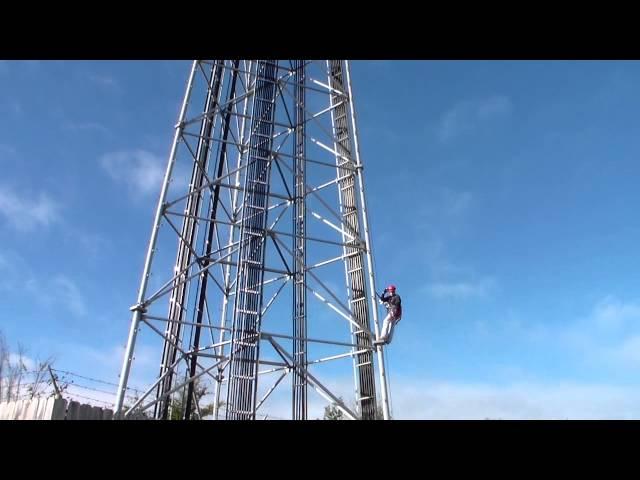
(254, 292)
(260, 157)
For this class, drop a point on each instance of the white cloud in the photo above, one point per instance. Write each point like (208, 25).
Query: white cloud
(466, 289)
(107, 361)
(612, 313)
(107, 358)
(413, 398)
(628, 351)
(611, 333)
(67, 293)
(141, 171)
(607, 336)
(26, 212)
(465, 116)
(423, 400)
(14, 358)
(13, 268)
(16, 276)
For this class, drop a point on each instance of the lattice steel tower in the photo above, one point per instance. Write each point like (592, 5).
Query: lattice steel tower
(264, 195)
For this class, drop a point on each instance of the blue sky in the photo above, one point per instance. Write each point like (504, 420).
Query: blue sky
(502, 202)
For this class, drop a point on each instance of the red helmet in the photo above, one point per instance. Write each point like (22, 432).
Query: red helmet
(391, 288)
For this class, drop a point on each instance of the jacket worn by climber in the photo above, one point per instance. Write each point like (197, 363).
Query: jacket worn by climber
(394, 303)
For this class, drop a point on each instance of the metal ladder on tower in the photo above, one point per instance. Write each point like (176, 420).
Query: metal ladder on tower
(246, 327)
(354, 263)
